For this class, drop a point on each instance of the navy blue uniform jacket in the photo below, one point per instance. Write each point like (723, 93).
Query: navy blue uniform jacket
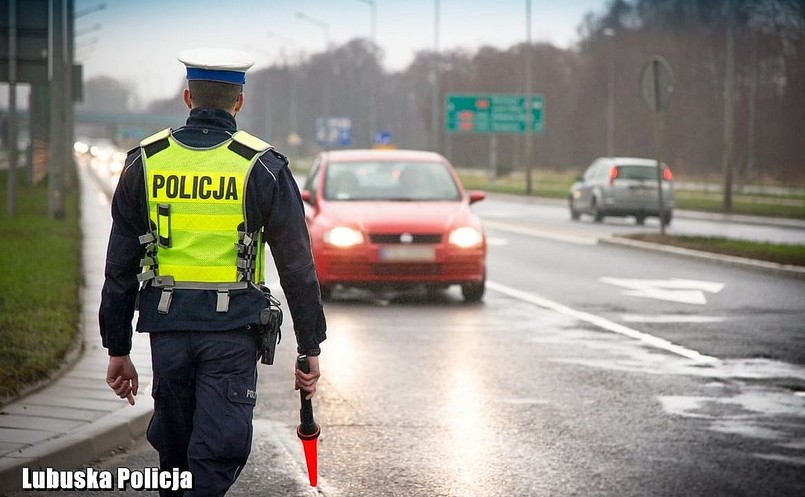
(272, 198)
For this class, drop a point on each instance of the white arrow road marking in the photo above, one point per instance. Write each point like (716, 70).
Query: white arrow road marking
(606, 324)
(674, 290)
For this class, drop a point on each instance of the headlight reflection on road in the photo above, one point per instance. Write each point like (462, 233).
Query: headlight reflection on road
(343, 351)
(467, 427)
(467, 439)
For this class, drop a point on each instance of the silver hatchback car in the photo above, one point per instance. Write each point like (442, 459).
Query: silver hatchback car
(622, 186)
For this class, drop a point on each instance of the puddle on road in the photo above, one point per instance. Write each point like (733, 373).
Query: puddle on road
(752, 398)
(749, 412)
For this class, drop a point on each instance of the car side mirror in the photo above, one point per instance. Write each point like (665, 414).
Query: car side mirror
(306, 197)
(476, 196)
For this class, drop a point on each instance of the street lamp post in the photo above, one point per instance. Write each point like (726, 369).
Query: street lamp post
(529, 146)
(434, 108)
(373, 83)
(326, 83)
(293, 133)
(610, 33)
(263, 118)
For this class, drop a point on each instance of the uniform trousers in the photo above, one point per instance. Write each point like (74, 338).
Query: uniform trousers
(204, 390)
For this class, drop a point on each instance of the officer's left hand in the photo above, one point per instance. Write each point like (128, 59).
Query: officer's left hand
(307, 381)
(121, 376)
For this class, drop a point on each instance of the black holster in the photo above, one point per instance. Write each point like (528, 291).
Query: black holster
(270, 321)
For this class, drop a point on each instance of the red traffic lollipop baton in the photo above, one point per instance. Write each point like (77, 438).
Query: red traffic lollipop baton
(308, 431)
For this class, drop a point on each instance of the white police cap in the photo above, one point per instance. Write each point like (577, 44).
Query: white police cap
(216, 64)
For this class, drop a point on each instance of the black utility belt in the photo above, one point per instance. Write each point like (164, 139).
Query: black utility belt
(167, 284)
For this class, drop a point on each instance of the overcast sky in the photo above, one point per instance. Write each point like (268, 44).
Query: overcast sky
(137, 41)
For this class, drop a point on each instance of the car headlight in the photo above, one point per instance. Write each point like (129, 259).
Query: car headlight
(465, 237)
(343, 236)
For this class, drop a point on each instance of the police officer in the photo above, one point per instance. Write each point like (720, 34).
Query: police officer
(191, 213)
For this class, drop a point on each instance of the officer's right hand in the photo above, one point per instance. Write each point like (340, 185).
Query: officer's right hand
(307, 381)
(121, 376)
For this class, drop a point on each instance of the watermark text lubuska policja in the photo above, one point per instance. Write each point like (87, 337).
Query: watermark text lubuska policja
(93, 479)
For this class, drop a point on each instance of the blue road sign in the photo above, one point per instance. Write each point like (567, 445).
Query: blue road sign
(334, 131)
(382, 138)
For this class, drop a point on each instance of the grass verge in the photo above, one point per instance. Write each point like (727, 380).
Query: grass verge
(40, 280)
(556, 184)
(771, 252)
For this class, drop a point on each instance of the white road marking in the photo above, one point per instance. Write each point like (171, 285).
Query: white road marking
(606, 324)
(674, 290)
(496, 242)
(671, 318)
(542, 233)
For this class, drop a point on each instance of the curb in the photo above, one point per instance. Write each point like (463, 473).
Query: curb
(727, 260)
(82, 446)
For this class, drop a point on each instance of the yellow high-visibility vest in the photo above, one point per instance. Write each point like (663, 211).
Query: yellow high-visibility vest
(196, 206)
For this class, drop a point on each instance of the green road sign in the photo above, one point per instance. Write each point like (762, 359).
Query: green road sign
(492, 113)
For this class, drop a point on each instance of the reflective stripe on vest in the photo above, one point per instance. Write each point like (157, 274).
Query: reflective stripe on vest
(196, 206)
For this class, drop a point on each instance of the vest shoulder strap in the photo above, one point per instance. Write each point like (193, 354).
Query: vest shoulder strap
(155, 137)
(156, 142)
(251, 141)
(248, 145)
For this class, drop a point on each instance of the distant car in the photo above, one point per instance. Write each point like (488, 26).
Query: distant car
(393, 218)
(622, 186)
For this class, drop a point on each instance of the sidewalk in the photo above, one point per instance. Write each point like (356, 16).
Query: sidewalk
(76, 417)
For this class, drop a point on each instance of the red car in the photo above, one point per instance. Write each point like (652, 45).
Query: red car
(393, 218)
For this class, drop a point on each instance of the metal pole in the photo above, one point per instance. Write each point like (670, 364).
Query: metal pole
(529, 151)
(655, 68)
(70, 173)
(292, 106)
(610, 33)
(493, 158)
(267, 106)
(329, 70)
(729, 107)
(11, 123)
(753, 84)
(434, 108)
(374, 83)
(55, 162)
(374, 100)
(326, 83)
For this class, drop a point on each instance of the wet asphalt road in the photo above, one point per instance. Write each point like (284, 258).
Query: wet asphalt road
(424, 395)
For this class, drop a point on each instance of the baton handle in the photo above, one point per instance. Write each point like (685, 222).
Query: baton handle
(307, 425)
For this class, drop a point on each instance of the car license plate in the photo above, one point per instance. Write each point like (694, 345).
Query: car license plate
(642, 191)
(407, 253)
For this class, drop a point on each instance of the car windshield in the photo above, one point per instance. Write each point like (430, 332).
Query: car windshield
(389, 180)
(637, 172)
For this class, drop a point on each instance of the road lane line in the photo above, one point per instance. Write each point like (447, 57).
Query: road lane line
(672, 318)
(606, 324)
(541, 233)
